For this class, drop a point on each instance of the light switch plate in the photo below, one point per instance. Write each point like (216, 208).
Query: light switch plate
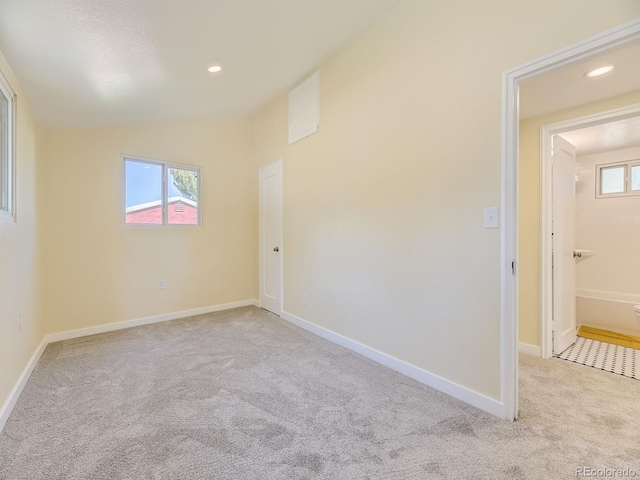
(491, 217)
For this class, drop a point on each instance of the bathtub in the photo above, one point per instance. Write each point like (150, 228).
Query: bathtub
(607, 310)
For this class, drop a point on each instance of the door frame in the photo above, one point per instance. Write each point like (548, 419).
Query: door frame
(278, 164)
(594, 45)
(546, 208)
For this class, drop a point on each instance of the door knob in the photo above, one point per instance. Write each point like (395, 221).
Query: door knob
(276, 249)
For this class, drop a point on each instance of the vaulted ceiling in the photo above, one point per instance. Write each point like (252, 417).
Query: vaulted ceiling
(104, 63)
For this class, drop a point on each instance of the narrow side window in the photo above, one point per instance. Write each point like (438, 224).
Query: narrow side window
(7, 150)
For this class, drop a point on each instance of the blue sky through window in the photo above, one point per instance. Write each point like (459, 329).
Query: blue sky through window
(144, 183)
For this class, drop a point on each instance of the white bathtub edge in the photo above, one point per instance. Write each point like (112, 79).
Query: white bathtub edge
(630, 298)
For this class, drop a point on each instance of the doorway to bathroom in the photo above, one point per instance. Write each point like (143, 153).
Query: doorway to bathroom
(543, 92)
(590, 197)
(556, 102)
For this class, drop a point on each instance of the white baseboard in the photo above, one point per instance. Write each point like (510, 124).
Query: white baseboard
(529, 349)
(8, 405)
(10, 402)
(478, 400)
(110, 327)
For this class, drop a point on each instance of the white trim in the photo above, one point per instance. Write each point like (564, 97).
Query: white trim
(142, 206)
(155, 203)
(8, 405)
(464, 394)
(183, 200)
(546, 208)
(632, 298)
(529, 349)
(110, 327)
(509, 241)
(509, 249)
(546, 247)
(10, 402)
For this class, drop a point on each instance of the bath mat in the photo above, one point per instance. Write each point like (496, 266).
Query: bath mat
(604, 356)
(609, 337)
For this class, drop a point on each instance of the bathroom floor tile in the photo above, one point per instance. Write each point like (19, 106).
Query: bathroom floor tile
(603, 356)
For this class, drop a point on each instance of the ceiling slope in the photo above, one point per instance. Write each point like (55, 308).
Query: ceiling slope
(97, 63)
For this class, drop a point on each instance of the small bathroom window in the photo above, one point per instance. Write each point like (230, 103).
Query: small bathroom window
(618, 179)
(635, 178)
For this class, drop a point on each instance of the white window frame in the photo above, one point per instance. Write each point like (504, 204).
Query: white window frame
(628, 164)
(166, 166)
(9, 215)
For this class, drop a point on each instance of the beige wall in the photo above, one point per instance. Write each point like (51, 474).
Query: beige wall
(99, 271)
(19, 252)
(383, 208)
(609, 227)
(529, 207)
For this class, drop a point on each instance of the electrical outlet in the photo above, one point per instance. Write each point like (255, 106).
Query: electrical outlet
(161, 284)
(20, 320)
(304, 298)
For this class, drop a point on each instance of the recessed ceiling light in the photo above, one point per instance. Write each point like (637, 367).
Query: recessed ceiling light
(596, 72)
(214, 69)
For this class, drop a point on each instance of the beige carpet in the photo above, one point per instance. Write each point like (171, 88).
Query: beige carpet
(243, 395)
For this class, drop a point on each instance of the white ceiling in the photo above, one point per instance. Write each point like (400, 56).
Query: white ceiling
(607, 136)
(566, 87)
(104, 63)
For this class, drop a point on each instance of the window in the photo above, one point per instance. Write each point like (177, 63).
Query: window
(618, 179)
(7, 151)
(612, 180)
(635, 178)
(158, 193)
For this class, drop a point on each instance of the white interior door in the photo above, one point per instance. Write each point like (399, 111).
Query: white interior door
(564, 234)
(271, 237)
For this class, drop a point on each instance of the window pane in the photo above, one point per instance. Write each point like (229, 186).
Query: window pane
(143, 192)
(5, 173)
(612, 180)
(183, 197)
(635, 177)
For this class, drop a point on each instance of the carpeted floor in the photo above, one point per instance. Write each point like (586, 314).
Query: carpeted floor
(242, 394)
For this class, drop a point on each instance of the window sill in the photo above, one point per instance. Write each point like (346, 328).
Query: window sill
(6, 217)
